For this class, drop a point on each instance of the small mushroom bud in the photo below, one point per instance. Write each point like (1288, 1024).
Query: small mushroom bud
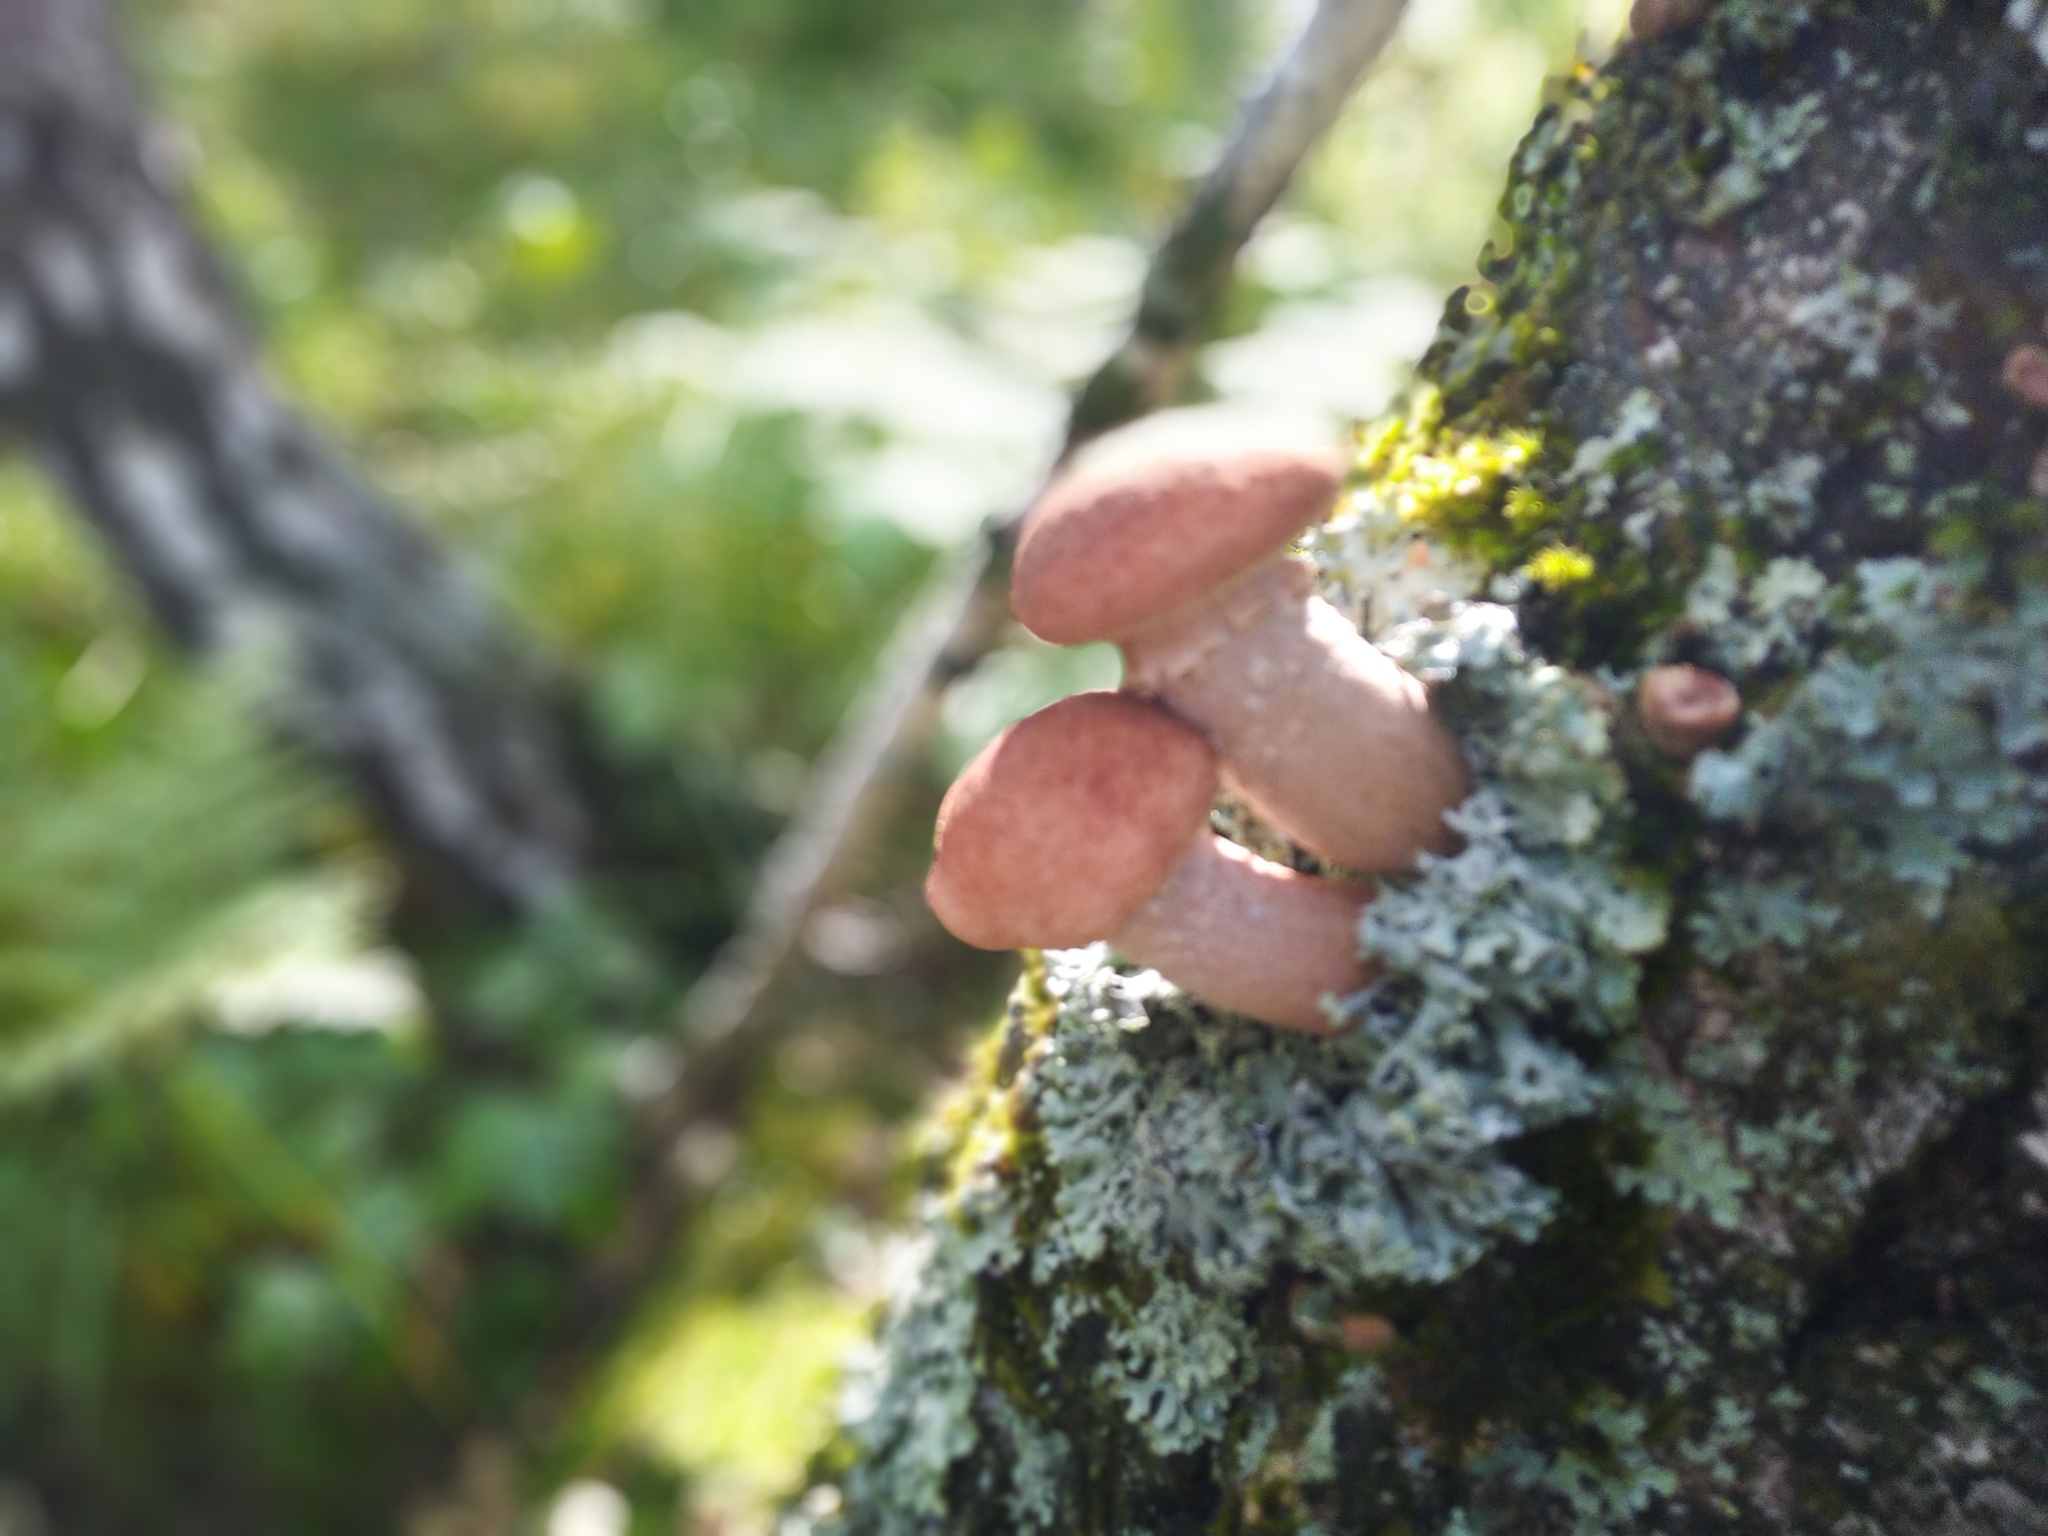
(1649, 20)
(1367, 1333)
(1180, 559)
(1090, 820)
(2026, 374)
(1686, 710)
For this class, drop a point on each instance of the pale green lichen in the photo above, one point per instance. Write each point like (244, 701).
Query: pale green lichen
(1909, 739)
(1762, 143)
(2030, 19)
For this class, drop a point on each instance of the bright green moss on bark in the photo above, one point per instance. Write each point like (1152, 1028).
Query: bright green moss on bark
(1689, 1142)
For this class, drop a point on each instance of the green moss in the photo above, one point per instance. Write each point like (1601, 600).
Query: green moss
(1557, 567)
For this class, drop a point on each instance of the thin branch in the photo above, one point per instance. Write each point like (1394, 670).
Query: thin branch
(1193, 268)
(963, 614)
(954, 624)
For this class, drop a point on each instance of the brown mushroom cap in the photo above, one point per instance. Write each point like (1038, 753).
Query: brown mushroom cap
(1067, 822)
(1686, 709)
(1110, 549)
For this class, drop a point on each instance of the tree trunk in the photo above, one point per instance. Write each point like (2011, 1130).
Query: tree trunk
(128, 370)
(1684, 1172)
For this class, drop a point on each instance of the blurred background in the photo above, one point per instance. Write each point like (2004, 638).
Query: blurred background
(696, 329)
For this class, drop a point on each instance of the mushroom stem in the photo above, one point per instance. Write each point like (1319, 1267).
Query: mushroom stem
(1322, 734)
(1251, 936)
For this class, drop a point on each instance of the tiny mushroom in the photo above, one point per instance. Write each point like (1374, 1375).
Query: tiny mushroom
(1686, 710)
(1367, 1333)
(1649, 20)
(1089, 821)
(2026, 374)
(1180, 558)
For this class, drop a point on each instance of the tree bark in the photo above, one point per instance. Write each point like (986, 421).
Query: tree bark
(1685, 1170)
(127, 368)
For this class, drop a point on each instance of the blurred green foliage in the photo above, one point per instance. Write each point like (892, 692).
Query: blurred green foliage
(696, 327)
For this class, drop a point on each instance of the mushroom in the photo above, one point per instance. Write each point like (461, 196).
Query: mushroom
(2026, 374)
(1686, 709)
(1089, 821)
(1179, 557)
(1649, 20)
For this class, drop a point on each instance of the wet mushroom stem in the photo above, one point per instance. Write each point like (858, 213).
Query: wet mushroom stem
(1090, 821)
(1686, 710)
(1179, 558)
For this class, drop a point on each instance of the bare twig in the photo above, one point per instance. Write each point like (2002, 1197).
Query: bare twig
(963, 614)
(1192, 269)
(953, 625)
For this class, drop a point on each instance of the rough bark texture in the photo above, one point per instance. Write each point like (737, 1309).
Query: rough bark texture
(126, 367)
(1685, 1171)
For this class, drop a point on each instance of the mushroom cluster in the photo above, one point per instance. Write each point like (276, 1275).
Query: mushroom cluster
(1089, 820)
(1181, 560)
(1127, 788)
